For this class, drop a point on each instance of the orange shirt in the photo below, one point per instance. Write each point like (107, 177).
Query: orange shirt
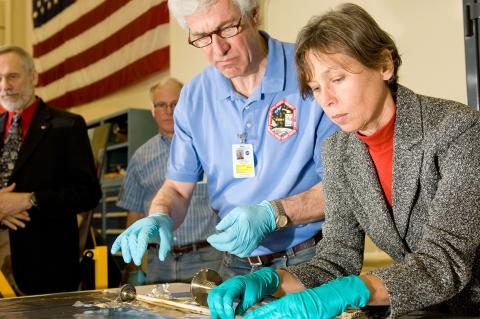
(380, 147)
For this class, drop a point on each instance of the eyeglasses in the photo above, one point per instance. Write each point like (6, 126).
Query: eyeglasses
(164, 105)
(223, 33)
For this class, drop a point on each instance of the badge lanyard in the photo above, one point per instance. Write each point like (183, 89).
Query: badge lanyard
(242, 158)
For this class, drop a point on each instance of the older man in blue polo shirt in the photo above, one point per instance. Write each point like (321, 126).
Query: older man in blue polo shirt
(243, 123)
(145, 175)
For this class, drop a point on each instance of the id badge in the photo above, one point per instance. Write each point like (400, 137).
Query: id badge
(242, 158)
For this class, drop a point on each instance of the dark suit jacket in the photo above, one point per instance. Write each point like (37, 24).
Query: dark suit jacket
(433, 229)
(56, 162)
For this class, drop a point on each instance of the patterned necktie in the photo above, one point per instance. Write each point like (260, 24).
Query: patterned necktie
(10, 150)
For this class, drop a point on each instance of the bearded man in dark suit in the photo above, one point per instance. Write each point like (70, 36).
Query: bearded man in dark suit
(44, 182)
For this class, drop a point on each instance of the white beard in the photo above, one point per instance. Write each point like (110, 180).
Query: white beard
(18, 105)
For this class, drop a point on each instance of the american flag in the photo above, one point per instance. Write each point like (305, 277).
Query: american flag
(87, 49)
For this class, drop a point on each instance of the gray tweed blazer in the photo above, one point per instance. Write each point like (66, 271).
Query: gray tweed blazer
(433, 230)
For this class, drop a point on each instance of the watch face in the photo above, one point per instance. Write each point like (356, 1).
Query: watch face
(33, 200)
(282, 221)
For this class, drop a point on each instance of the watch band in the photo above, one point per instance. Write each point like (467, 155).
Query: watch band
(281, 218)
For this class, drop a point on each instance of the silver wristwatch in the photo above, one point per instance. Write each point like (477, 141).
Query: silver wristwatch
(281, 218)
(33, 199)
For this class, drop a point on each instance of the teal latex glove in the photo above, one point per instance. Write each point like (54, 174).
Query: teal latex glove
(249, 289)
(156, 228)
(244, 228)
(324, 302)
(136, 278)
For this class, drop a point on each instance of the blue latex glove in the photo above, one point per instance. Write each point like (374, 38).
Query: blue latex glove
(249, 289)
(136, 277)
(244, 228)
(324, 302)
(156, 228)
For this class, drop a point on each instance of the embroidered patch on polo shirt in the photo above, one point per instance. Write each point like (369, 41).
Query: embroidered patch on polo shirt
(282, 120)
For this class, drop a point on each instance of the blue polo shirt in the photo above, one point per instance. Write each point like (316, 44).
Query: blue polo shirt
(285, 130)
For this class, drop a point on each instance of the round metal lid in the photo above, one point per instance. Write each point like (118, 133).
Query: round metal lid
(128, 293)
(202, 282)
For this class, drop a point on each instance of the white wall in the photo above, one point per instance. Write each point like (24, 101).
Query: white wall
(13, 28)
(429, 34)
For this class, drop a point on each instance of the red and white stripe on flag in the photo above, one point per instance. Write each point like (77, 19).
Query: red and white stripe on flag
(87, 49)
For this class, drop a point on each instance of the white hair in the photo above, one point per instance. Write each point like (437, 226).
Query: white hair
(184, 8)
(169, 81)
(21, 53)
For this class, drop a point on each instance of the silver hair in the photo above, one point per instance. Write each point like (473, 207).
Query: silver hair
(184, 8)
(24, 55)
(164, 82)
